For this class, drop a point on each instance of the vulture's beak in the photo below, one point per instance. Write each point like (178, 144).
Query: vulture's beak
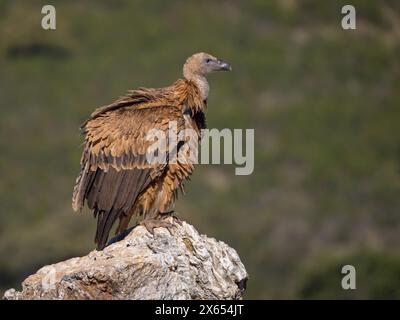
(224, 66)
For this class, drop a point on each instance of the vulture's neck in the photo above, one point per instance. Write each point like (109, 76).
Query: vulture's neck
(201, 83)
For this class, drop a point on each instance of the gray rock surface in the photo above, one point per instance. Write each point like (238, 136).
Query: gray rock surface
(179, 265)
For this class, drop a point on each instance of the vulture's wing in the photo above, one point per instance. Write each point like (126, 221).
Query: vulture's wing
(114, 169)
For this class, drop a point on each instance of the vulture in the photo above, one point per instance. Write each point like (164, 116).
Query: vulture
(116, 180)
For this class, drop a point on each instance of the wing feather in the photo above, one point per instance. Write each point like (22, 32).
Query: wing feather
(114, 170)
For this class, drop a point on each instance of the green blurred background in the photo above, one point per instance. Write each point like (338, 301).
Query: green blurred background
(324, 102)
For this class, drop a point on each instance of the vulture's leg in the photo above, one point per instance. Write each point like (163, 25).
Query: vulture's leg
(172, 214)
(151, 223)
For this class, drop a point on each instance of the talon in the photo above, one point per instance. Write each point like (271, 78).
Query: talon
(171, 214)
(177, 220)
(151, 224)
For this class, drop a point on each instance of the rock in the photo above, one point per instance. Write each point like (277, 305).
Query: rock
(181, 264)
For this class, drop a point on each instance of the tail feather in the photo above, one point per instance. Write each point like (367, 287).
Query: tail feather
(105, 221)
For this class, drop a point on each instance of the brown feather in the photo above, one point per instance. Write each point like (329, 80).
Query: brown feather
(115, 180)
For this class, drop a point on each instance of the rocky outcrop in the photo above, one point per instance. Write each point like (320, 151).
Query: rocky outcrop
(175, 264)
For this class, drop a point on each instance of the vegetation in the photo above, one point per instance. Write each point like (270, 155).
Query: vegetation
(324, 103)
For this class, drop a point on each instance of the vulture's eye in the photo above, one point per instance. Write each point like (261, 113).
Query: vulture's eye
(208, 60)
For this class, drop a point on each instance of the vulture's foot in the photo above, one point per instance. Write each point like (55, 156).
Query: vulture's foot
(152, 223)
(165, 215)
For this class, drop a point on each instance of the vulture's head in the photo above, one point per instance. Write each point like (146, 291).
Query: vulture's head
(200, 64)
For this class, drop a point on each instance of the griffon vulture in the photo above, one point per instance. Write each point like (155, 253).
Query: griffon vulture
(116, 180)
